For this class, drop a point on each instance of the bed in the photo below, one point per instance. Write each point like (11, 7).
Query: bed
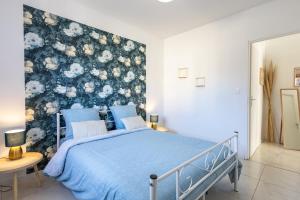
(143, 164)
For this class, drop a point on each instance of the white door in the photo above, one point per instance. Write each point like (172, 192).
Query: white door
(256, 97)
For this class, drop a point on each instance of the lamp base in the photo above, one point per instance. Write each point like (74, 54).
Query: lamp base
(154, 126)
(15, 153)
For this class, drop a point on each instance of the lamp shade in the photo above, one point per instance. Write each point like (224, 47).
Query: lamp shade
(154, 118)
(14, 138)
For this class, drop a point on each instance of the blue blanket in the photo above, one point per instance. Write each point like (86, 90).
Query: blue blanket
(118, 168)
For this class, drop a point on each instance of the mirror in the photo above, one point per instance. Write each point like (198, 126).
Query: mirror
(290, 118)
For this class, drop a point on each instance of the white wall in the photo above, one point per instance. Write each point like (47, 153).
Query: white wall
(284, 52)
(258, 51)
(12, 98)
(220, 52)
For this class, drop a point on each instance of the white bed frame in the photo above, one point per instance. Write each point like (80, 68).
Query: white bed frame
(231, 144)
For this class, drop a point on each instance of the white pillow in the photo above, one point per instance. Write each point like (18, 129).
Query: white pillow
(136, 122)
(86, 129)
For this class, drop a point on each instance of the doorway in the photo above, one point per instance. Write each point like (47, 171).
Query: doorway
(283, 52)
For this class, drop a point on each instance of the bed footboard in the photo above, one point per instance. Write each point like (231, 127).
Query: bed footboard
(230, 146)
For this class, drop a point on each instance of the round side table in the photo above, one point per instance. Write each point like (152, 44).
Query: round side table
(30, 159)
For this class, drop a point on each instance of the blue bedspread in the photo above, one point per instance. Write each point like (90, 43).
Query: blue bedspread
(118, 168)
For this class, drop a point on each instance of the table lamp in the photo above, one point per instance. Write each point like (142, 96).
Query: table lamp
(14, 139)
(154, 121)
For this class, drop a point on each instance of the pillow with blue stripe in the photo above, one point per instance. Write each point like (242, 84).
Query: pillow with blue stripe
(120, 112)
(78, 115)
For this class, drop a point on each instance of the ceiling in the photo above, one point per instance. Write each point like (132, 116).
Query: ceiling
(166, 19)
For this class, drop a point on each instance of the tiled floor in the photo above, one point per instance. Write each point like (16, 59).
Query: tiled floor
(272, 174)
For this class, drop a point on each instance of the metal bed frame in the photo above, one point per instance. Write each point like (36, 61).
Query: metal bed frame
(230, 144)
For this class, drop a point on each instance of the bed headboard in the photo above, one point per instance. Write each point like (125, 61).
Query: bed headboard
(104, 115)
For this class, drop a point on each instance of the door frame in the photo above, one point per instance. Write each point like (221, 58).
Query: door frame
(250, 43)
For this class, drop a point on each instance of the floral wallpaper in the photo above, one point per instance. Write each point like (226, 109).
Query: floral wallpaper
(72, 65)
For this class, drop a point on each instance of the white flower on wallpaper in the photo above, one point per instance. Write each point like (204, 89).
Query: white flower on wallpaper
(50, 19)
(117, 103)
(28, 65)
(116, 39)
(51, 63)
(121, 91)
(106, 91)
(33, 88)
(142, 106)
(121, 59)
(50, 151)
(105, 57)
(74, 30)
(70, 51)
(138, 60)
(60, 89)
(127, 62)
(142, 49)
(142, 78)
(129, 77)
(95, 35)
(29, 115)
(76, 106)
(71, 92)
(129, 46)
(138, 89)
(103, 39)
(35, 135)
(32, 41)
(125, 92)
(95, 72)
(51, 107)
(59, 46)
(89, 87)
(103, 74)
(75, 70)
(116, 71)
(27, 17)
(88, 49)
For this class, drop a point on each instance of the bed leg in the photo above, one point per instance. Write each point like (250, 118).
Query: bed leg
(153, 184)
(236, 176)
(203, 197)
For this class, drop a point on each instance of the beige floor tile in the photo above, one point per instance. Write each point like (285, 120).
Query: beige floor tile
(50, 190)
(267, 153)
(252, 169)
(292, 153)
(224, 189)
(282, 178)
(288, 160)
(266, 191)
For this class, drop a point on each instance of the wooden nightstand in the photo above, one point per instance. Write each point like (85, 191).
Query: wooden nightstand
(30, 159)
